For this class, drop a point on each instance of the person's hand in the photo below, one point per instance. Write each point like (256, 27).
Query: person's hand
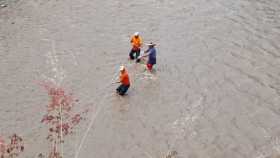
(116, 82)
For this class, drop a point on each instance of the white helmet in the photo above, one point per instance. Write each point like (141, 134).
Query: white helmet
(121, 68)
(136, 34)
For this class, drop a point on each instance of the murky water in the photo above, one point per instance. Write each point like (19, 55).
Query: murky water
(215, 92)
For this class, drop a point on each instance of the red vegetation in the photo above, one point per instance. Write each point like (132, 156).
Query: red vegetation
(60, 117)
(13, 148)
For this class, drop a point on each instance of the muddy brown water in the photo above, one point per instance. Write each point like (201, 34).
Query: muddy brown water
(215, 92)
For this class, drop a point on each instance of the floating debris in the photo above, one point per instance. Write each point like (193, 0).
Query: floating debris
(171, 154)
(3, 5)
(41, 155)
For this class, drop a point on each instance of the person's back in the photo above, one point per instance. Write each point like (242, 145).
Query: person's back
(152, 53)
(124, 78)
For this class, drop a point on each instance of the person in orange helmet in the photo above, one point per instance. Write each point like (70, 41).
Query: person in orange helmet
(136, 42)
(124, 80)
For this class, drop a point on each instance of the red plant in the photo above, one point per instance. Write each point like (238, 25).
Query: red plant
(60, 118)
(12, 149)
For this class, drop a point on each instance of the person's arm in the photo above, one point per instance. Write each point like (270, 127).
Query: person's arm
(146, 53)
(141, 42)
(131, 42)
(116, 82)
(119, 78)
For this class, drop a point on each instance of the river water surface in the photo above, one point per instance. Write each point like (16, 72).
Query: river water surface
(215, 92)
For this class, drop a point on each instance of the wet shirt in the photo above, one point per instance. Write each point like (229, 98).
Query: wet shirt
(124, 78)
(136, 42)
(152, 55)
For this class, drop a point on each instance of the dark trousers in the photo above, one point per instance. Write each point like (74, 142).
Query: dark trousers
(122, 89)
(134, 51)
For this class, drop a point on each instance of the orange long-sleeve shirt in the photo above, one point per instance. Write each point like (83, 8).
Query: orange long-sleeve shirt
(136, 42)
(124, 78)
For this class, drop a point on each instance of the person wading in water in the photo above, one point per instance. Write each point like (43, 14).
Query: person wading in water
(151, 53)
(136, 42)
(124, 80)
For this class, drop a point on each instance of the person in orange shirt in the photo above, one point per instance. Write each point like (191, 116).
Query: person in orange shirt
(124, 80)
(136, 42)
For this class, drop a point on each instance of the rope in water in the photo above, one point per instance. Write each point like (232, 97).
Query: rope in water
(93, 118)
